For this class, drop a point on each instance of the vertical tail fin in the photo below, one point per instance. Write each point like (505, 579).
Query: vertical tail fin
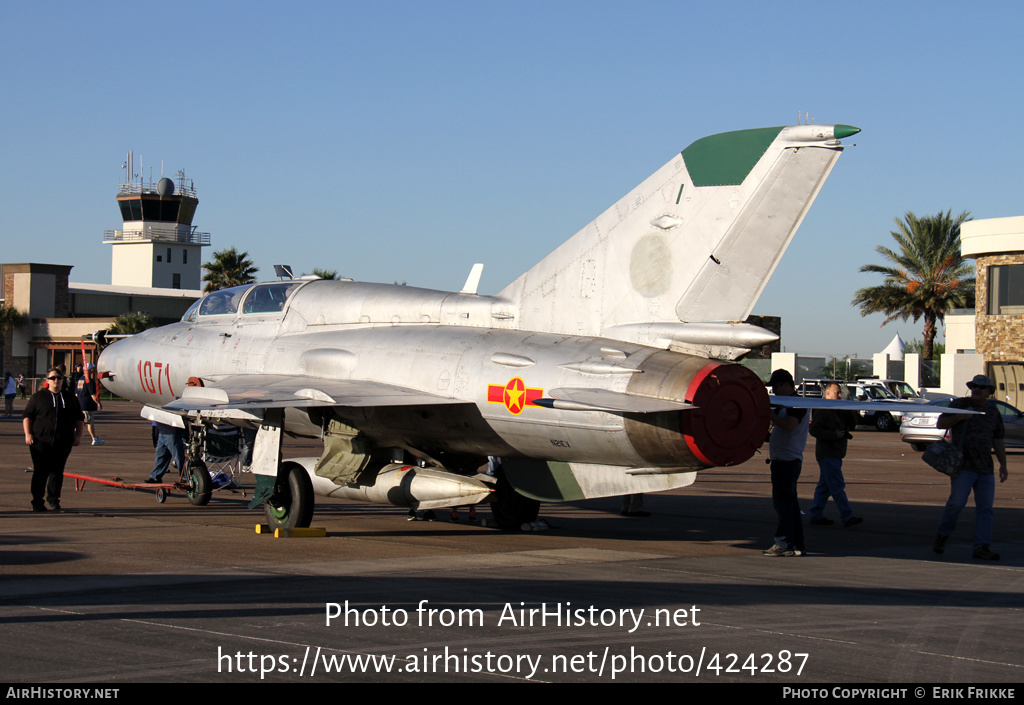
(695, 242)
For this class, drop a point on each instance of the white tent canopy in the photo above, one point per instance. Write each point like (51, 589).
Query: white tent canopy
(896, 348)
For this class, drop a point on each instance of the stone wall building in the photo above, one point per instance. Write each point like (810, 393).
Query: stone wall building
(997, 246)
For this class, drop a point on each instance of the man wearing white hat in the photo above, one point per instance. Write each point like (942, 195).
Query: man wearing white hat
(979, 435)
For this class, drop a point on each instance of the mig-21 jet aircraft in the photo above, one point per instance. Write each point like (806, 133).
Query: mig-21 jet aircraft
(603, 370)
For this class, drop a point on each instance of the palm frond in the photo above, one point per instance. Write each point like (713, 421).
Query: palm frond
(926, 275)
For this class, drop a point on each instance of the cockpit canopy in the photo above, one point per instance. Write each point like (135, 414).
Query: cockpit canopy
(249, 298)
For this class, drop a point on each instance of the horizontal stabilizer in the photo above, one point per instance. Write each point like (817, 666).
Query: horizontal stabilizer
(855, 405)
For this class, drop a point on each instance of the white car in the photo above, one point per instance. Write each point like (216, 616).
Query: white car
(919, 428)
(872, 390)
(901, 390)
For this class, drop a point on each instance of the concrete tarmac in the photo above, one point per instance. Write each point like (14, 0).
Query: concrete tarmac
(121, 589)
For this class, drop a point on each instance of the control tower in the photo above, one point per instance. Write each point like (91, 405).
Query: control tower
(158, 246)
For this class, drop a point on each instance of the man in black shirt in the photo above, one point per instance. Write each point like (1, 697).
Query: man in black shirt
(53, 423)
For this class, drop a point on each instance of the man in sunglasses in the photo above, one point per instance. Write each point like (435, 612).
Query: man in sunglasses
(53, 423)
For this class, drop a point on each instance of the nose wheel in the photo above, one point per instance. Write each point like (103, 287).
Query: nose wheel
(199, 485)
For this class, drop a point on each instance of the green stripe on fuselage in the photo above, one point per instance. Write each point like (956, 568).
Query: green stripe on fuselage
(726, 159)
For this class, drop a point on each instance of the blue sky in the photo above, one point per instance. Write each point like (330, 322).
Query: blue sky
(407, 140)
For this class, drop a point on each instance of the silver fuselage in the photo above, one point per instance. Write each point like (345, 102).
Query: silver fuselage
(416, 339)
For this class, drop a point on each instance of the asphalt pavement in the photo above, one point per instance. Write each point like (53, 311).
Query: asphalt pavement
(119, 588)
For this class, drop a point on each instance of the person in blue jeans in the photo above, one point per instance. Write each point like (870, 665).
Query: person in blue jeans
(831, 430)
(786, 450)
(979, 435)
(170, 443)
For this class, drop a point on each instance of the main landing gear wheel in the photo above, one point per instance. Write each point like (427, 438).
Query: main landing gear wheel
(509, 508)
(291, 505)
(200, 487)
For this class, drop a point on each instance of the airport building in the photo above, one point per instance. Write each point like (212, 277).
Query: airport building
(156, 268)
(997, 246)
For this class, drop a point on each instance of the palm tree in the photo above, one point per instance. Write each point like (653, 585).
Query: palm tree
(10, 319)
(927, 277)
(916, 346)
(131, 323)
(326, 273)
(229, 268)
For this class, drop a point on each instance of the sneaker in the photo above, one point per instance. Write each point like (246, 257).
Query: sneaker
(939, 544)
(853, 521)
(795, 552)
(54, 507)
(151, 481)
(986, 554)
(98, 441)
(822, 521)
(776, 551)
(39, 508)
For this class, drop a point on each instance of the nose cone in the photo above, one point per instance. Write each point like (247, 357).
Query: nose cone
(105, 368)
(111, 366)
(841, 131)
(105, 362)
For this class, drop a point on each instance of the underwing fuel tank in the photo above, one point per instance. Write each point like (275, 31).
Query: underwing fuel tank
(405, 486)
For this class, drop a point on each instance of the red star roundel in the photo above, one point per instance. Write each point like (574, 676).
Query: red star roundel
(515, 395)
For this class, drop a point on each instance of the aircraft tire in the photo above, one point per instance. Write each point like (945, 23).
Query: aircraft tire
(291, 505)
(509, 508)
(199, 485)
